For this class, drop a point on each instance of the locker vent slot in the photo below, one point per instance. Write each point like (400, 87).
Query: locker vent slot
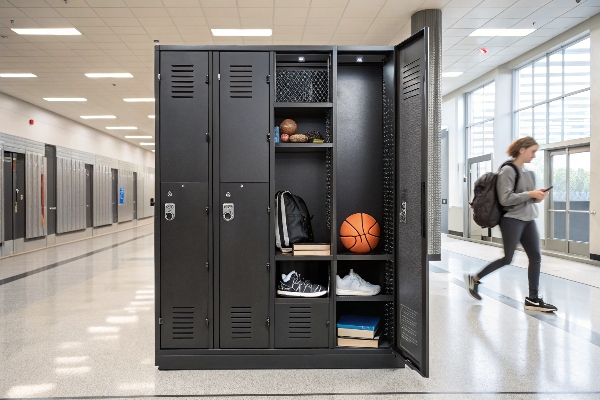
(183, 323)
(299, 323)
(409, 325)
(411, 79)
(240, 83)
(241, 322)
(182, 81)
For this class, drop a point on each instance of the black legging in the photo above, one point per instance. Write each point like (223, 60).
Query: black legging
(525, 232)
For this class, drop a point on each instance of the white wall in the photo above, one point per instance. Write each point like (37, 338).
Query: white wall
(51, 128)
(453, 117)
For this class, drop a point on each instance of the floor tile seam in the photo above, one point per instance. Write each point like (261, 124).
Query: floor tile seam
(518, 266)
(550, 319)
(47, 267)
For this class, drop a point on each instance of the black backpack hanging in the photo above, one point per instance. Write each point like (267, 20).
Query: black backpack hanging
(293, 220)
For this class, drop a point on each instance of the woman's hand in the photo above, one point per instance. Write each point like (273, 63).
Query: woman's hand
(537, 194)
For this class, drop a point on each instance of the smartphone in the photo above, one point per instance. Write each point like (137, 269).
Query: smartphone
(545, 190)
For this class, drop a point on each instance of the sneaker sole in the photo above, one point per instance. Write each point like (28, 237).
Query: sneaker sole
(298, 294)
(466, 276)
(534, 308)
(355, 293)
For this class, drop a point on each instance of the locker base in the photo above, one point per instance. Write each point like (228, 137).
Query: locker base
(279, 361)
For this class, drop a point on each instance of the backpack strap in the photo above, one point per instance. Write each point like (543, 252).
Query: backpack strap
(509, 162)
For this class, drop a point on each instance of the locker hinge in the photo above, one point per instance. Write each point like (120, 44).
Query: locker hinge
(269, 210)
(268, 137)
(219, 76)
(160, 321)
(268, 266)
(207, 265)
(208, 137)
(159, 77)
(206, 79)
(206, 321)
(207, 210)
(410, 365)
(268, 321)
(268, 78)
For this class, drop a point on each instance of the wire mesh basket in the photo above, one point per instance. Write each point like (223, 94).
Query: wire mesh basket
(302, 86)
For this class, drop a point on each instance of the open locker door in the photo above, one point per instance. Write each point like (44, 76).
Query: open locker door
(412, 286)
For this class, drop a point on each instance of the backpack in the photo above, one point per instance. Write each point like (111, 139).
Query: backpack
(293, 220)
(487, 210)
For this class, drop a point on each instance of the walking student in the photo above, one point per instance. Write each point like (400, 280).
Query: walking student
(518, 223)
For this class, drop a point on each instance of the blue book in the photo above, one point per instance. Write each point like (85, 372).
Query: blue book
(359, 322)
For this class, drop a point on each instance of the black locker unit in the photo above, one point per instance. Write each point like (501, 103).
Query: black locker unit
(218, 169)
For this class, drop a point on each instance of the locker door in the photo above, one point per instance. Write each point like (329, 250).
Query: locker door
(9, 202)
(184, 281)
(89, 204)
(135, 195)
(412, 273)
(19, 192)
(115, 195)
(244, 117)
(244, 277)
(51, 188)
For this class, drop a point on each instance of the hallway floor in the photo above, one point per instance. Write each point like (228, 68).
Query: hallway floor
(77, 321)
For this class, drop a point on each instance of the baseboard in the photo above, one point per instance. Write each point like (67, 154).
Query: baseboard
(595, 257)
(455, 233)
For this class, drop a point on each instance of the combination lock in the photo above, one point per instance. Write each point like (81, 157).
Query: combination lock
(228, 211)
(169, 211)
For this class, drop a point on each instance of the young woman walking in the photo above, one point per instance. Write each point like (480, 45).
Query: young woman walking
(518, 223)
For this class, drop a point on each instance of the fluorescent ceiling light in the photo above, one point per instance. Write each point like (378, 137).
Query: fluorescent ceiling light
(65, 99)
(151, 116)
(18, 76)
(154, 151)
(138, 100)
(110, 75)
(47, 31)
(122, 127)
(138, 137)
(242, 32)
(146, 144)
(451, 74)
(97, 116)
(501, 32)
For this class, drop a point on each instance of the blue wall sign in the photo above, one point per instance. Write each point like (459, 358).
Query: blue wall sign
(121, 195)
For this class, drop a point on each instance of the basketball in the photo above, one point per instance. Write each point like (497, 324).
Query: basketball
(360, 233)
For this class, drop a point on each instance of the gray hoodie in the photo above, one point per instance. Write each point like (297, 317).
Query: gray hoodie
(517, 203)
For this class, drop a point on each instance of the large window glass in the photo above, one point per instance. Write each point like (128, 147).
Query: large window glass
(553, 95)
(480, 128)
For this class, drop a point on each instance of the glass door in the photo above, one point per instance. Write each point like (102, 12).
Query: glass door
(568, 206)
(476, 166)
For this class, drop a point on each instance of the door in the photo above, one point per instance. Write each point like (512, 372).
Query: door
(412, 273)
(19, 196)
(51, 188)
(476, 167)
(568, 206)
(135, 195)
(89, 196)
(115, 195)
(9, 202)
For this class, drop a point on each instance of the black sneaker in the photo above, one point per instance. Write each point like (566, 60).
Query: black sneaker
(293, 285)
(472, 286)
(538, 305)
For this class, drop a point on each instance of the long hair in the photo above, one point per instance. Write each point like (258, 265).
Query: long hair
(516, 146)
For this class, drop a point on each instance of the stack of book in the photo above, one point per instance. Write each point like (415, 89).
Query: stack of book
(358, 331)
(312, 249)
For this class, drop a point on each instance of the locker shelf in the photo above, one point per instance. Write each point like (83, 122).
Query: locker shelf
(348, 256)
(301, 147)
(380, 297)
(279, 256)
(302, 105)
(300, 300)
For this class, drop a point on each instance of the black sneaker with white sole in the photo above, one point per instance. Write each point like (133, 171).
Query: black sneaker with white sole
(472, 286)
(538, 305)
(292, 285)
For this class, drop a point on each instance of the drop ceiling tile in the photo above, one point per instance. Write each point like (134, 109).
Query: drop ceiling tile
(256, 12)
(77, 12)
(383, 30)
(330, 3)
(317, 36)
(395, 22)
(144, 3)
(188, 21)
(129, 30)
(104, 39)
(95, 30)
(355, 37)
(455, 12)
(516, 12)
(376, 39)
(564, 23)
(288, 29)
(31, 3)
(87, 53)
(121, 22)
(488, 12)
(197, 39)
(162, 30)
(139, 45)
(532, 23)
(450, 40)
(114, 13)
(351, 29)
(19, 23)
(473, 40)
(531, 3)
(136, 38)
(62, 53)
(547, 32)
(457, 32)
(316, 12)
(40, 12)
(396, 10)
(185, 12)
(215, 22)
(8, 53)
(194, 30)
(455, 52)
(10, 13)
(434, 4)
(360, 12)
(221, 12)
(582, 12)
(496, 3)
(83, 22)
(112, 46)
(257, 23)
(321, 29)
(150, 13)
(319, 21)
(549, 12)
(501, 23)
(362, 22)
(156, 21)
(502, 41)
(181, 3)
(255, 3)
(282, 15)
(462, 3)
(472, 23)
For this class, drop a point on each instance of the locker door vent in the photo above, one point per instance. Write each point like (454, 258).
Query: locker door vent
(240, 84)
(411, 79)
(182, 81)
(409, 326)
(183, 323)
(299, 323)
(241, 322)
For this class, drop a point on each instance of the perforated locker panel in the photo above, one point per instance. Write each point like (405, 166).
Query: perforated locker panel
(244, 117)
(244, 276)
(184, 282)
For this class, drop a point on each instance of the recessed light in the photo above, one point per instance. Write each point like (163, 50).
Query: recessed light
(138, 137)
(97, 116)
(451, 74)
(139, 100)
(501, 32)
(146, 144)
(110, 75)
(18, 76)
(122, 127)
(150, 116)
(242, 32)
(47, 31)
(65, 99)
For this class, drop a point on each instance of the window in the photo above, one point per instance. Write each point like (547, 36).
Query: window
(480, 128)
(553, 95)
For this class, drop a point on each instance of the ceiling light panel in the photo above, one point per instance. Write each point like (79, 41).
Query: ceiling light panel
(65, 99)
(501, 32)
(110, 75)
(47, 31)
(122, 127)
(146, 144)
(98, 116)
(18, 76)
(242, 32)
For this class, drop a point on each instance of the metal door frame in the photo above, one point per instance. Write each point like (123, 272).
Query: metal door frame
(568, 246)
(467, 190)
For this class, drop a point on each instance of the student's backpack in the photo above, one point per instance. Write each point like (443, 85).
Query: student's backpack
(487, 210)
(293, 220)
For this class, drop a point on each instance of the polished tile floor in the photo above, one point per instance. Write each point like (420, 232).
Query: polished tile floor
(76, 321)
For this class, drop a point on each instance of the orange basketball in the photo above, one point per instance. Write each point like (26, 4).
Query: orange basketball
(360, 233)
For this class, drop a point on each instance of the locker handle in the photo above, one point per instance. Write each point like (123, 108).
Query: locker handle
(268, 321)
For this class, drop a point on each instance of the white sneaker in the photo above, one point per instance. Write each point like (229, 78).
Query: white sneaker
(354, 285)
